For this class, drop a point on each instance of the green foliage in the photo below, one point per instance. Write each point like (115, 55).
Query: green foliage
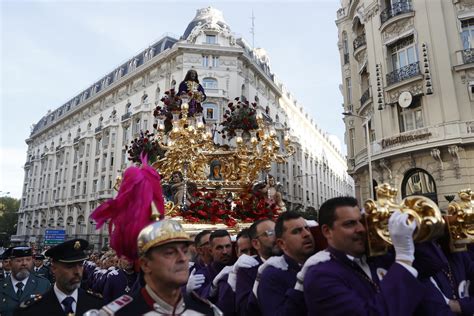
(8, 219)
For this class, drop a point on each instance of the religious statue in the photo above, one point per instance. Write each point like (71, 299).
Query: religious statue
(174, 191)
(215, 170)
(270, 188)
(191, 86)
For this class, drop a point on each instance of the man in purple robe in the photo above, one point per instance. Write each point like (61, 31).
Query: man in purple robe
(274, 286)
(221, 252)
(349, 284)
(262, 235)
(119, 281)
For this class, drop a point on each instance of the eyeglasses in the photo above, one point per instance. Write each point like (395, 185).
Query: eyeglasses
(267, 233)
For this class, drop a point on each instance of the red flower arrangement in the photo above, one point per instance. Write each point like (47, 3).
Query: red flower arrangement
(247, 207)
(208, 208)
(252, 206)
(146, 145)
(171, 101)
(242, 115)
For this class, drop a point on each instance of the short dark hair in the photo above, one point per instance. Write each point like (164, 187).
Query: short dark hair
(244, 233)
(197, 239)
(217, 234)
(284, 217)
(253, 227)
(327, 211)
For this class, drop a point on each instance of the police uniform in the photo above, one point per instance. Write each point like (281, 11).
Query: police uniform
(55, 302)
(5, 255)
(146, 302)
(11, 296)
(42, 271)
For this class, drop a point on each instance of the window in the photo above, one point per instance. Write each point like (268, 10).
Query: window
(209, 83)
(403, 53)
(349, 90)
(205, 61)
(215, 61)
(410, 118)
(210, 111)
(467, 33)
(345, 48)
(351, 141)
(211, 39)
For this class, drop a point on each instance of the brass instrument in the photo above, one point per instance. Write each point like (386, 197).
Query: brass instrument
(429, 220)
(460, 221)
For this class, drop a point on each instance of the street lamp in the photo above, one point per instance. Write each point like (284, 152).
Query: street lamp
(369, 155)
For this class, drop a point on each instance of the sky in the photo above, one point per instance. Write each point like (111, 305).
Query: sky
(52, 50)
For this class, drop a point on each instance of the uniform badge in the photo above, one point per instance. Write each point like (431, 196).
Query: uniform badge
(381, 272)
(77, 245)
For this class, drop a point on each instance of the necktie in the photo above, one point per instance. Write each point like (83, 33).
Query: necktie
(67, 303)
(19, 285)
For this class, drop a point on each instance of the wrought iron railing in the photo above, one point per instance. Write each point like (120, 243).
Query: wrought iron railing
(397, 8)
(126, 116)
(468, 55)
(98, 129)
(359, 41)
(365, 96)
(407, 72)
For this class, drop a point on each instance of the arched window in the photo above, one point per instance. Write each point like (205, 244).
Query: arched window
(209, 83)
(211, 111)
(419, 182)
(243, 94)
(345, 47)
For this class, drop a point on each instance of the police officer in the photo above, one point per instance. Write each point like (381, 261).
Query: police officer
(21, 285)
(5, 271)
(163, 257)
(39, 268)
(66, 297)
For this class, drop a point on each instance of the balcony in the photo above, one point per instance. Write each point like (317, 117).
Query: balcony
(468, 56)
(407, 72)
(98, 129)
(359, 42)
(76, 139)
(365, 97)
(126, 116)
(401, 7)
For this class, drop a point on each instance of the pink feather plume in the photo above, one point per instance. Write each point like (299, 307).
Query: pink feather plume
(130, 211)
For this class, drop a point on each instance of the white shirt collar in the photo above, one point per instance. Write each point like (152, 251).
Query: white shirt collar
(164, 308)
(37, 268)
(61, 296)
(15, 281)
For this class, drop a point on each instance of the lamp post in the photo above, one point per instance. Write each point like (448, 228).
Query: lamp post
(369, 155)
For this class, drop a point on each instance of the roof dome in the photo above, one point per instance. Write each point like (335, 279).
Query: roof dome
(211, 17)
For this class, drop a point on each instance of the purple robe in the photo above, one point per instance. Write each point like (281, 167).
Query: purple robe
(194, 106)
(276, 293)
(225, 299)
(209, 272)
(117, 284)
(245, 302)
(340, 287)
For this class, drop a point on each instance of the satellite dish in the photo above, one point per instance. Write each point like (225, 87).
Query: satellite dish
(405, 99)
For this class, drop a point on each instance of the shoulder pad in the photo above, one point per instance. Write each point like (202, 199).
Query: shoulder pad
(42, 278)
(112, 273)
(31, 301)
(97, 295)
(117, 304)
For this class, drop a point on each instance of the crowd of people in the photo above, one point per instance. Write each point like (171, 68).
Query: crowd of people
(285, 267)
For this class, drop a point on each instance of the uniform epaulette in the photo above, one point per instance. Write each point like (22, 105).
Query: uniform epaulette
(41, 277)
(96, 295)
(31, 301)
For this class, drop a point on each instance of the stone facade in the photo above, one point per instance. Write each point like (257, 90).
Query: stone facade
(76, 152)
(407, 71)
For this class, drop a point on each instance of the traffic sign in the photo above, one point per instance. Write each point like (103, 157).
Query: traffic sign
(55, 232)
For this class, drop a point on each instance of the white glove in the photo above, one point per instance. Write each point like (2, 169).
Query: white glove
(195, 281)
(219, 276)
(278, 262)
(320, 256)
(245, 261)
(232, 280)
(401, 233)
